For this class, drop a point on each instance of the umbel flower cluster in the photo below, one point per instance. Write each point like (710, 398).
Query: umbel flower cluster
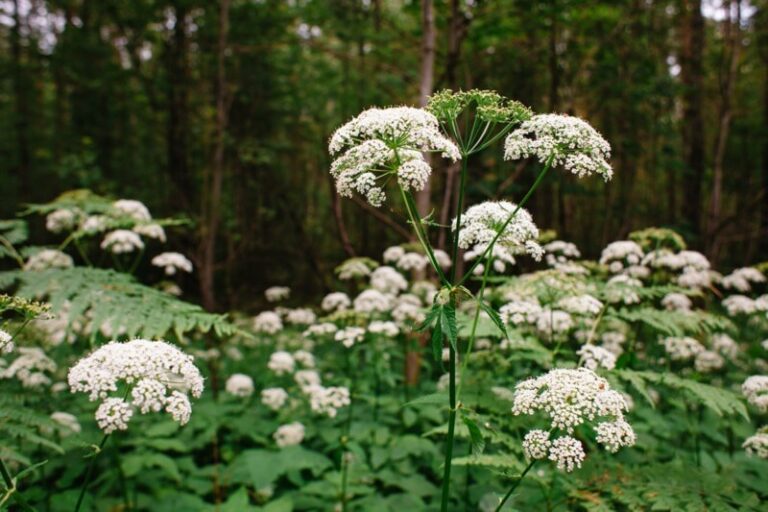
(383, 143)
(571, 398)
(563, 141)
(148, 376)
(484, 222)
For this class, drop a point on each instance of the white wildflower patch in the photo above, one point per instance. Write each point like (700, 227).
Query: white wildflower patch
(122, 241)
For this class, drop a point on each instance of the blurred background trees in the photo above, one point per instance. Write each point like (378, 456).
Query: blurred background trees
(221, 111)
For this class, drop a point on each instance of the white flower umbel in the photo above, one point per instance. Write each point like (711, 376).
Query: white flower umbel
(267, 322)
(565, 141)
(392, 254)
(329, 400)
(372, 301)
(388, 280)
(158, 375)
(615, 434)
(131, 208)
(320, 330)
(708, 361)
(554, 322)
(274, 398)
(594, 357)
(306, 379)
(757, 445)
(281, 362)
(290, 434)
(6, 342)
(277, 293)
(62, 220)
(239, 385)
(350, 336)
(336, 301)
(567, 453)
(676, 302)
(68, 422)
(755, 389)
(383, 143)
(739, 305)
(412, 261)
(741, 279)
(113, 414)
(172, 262)
(300, 316)
(385, 328)
(304, 358)
(48, 258)
(725, 345)
(569, 398)
(560, 252)
(621, 254)
(122, 241)
(481, 224)
(521, 310)
(581, 305)
(150, 230)
(536, 444)
(354, 268)
(30, 367)
(682, 348)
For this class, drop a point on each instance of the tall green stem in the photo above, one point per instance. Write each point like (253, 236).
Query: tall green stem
(460, 207)
(451, 429)
(514, 486)
(88, 473)
(475, 320)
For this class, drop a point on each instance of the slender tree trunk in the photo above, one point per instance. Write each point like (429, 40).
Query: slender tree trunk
(21, 106)
(764, 216)
(177, 124)
(691, 66)
(426, 83)
(731, 50)
(212, 210)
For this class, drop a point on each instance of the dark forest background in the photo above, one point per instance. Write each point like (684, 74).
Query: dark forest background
(221, 112)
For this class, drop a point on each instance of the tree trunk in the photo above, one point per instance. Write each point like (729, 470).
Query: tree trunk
(426, 83)
(177, 69)
(21, 107)
(691, 67)
(212, 206)
(731, 50)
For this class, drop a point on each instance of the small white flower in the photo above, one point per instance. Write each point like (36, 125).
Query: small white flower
(567, 452)
(6, 342)
(741, 279)
(48, 258)
(388, 280)
(615, 434)
(386, 328)
(267, 322)
(336, 301)
(290, 434)
(68, 422)
(274, 398)
(277, 293)
(757, 445)
(151, 230)
(350, 336)
(62, 220)
(681, 349)
(122, 241)
(133, 209)
(281, 362)
(412, 261)
(594, 357)
(581, 305)
(372, 301)
(755, 389)
(113, 414)
(676, 302)
(300, 316)
(536, 444)
(171, 262)
(239, 385)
